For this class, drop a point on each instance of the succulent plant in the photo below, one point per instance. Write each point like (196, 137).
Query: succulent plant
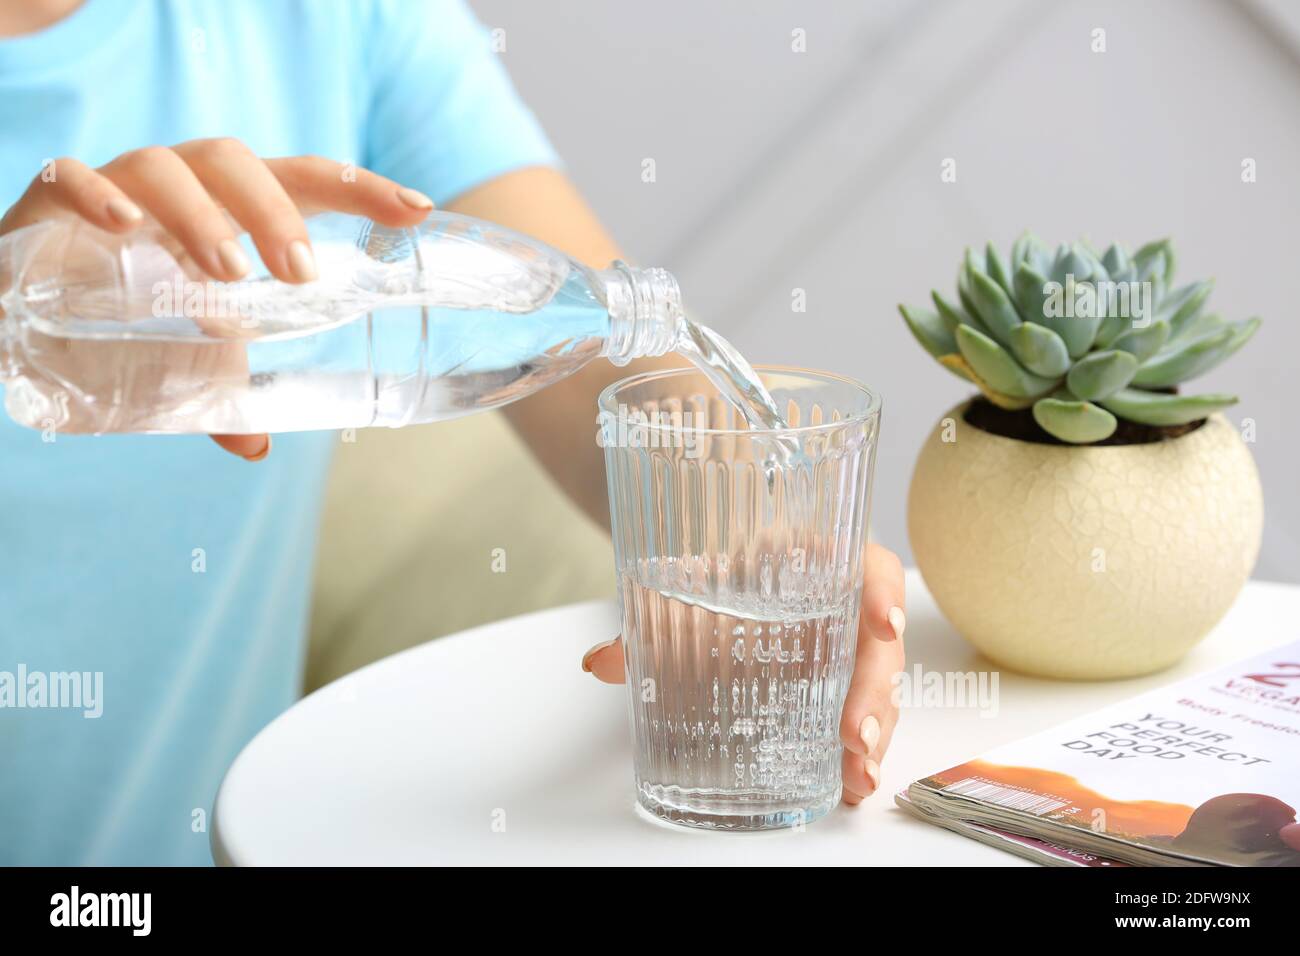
(1083, 339)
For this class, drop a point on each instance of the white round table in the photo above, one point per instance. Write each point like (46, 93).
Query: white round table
(493, 747)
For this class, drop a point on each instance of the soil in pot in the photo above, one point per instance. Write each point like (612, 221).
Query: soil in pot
(1021, 426)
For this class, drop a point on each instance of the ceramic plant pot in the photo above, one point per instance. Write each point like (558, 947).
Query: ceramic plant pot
(1084, 562)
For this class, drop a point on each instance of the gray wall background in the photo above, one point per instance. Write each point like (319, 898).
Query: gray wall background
(820, 170)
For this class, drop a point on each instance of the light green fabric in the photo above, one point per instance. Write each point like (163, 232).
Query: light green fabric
(412, 521)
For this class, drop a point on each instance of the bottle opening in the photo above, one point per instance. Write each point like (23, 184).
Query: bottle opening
(645, 312)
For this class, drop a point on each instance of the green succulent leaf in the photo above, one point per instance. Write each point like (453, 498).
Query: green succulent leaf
(1019, 250)
(1071, 261)
(1159, 408)
(1143, 343)
(1110, 329)
(1079, 423)
(970, 263)
(1115, 259)
(957, 365)
(1156, 258)
(1125, 306)
(930, 330)
(1182, 305)
(1031, 293)
(1205, 323)
(968, 306)
(1242, 333)
(1184, 360)
(1097, 270)
(950, 315)
(997, 271)
(1152, 268)
(1061, 314)
(1031, 251)
(994, 308)
(1040, 350)
(1101, 374)
(1057, 267)
(1125, 273)
(996, 367)
(1044, 303)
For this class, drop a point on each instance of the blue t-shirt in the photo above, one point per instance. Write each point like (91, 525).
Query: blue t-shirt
(163, 570)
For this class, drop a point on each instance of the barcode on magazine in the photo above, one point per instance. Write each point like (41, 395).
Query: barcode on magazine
(1008, 798)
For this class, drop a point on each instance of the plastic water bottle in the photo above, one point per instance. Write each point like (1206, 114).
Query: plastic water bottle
(106, 333)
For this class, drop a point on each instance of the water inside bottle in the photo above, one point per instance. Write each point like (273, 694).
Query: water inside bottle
(338, 353)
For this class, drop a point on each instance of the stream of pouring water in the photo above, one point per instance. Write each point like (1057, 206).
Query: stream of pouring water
(731, 375)
(740, 385)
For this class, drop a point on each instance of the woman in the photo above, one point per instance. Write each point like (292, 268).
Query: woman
(181, 575)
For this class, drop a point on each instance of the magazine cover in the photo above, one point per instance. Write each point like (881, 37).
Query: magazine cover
(1202, 772)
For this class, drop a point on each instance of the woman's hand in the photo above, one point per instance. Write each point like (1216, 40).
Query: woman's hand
(867, 722)
(189, 189)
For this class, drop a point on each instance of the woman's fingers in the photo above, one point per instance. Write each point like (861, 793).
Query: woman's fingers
(185, 188)
(68, 186)
(242, 182)
(161, 181)
(880, 645)
(883, 602)
(316, 183)
(248, 447)
(605, 661)
(861, 777)
(870, 714)
(270, 197)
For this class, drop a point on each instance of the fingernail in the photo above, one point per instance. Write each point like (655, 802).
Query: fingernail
(586, 658)
(414, 198)
(124, 211)
(898, 621)
(872, 770)
(232, 258)
(302, 264)
(258, 456)
(869, 731)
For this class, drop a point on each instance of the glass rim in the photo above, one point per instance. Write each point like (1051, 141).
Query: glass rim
(604, 401)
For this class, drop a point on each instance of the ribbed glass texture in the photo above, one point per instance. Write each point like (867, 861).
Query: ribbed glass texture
(739, 568)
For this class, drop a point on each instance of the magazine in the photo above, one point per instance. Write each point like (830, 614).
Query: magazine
(1204, 772)
(1031, 848)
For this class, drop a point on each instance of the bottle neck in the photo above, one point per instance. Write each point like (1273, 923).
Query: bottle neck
(645, 312)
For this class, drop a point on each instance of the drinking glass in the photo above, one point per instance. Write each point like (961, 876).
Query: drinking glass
(738, 554)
